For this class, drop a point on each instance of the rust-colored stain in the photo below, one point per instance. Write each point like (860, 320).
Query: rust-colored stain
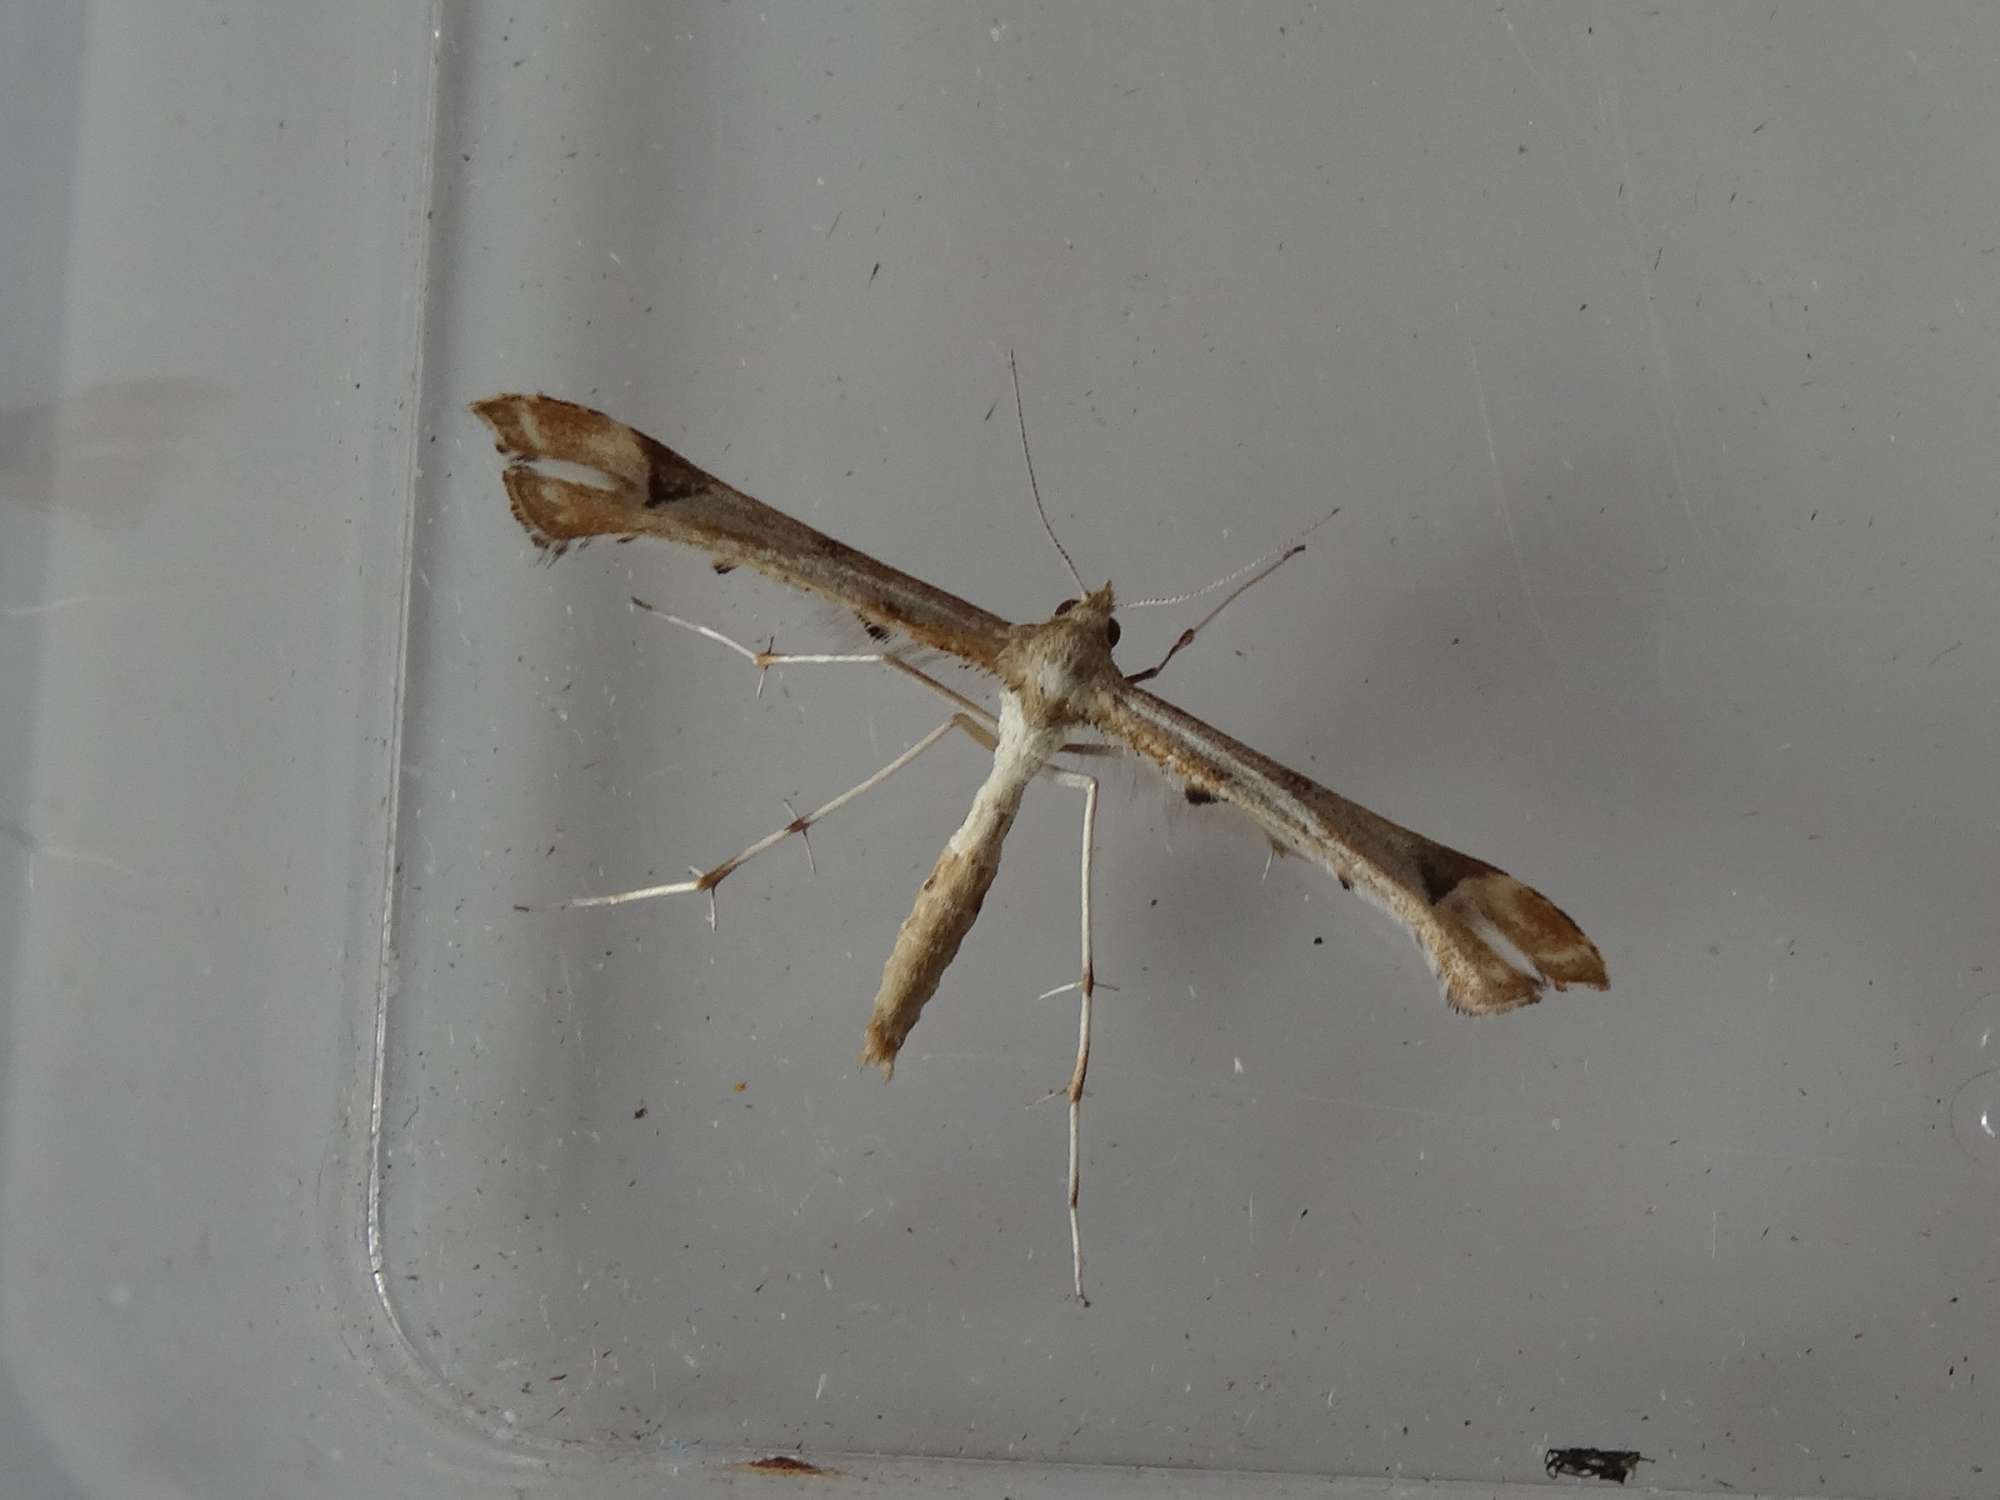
(784, 1463)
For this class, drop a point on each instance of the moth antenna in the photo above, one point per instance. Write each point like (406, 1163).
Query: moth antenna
(1021, 419)
(1269, 560)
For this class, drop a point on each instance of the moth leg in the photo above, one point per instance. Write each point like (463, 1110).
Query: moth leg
(706, 881)
(1086, 987)
(763, 661)
(1259, 570)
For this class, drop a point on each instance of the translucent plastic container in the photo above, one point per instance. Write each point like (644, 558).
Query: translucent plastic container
(1648, 354)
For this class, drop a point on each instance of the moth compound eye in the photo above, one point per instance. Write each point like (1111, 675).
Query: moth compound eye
(1066, 606)
(1111, 632)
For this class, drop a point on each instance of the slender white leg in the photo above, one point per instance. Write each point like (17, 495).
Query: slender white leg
(708, 880)
(1086, 987)
(763, 661)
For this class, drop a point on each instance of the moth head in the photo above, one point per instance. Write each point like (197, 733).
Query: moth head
(1092, 613)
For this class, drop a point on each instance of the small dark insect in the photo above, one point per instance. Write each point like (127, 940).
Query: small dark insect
(1199, 798)
(723, 569)
(639, 1113)
(1593, 1463)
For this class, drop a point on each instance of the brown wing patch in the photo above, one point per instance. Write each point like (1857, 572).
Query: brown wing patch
(559, 512)
(1477, 978)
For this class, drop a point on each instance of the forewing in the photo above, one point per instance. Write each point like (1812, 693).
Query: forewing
(1462, 911)
(650, 490)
